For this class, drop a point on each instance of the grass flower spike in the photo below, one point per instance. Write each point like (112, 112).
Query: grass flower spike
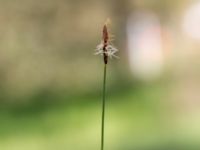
(107, 50)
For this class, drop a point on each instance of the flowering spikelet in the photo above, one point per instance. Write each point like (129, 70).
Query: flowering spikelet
(105, 48)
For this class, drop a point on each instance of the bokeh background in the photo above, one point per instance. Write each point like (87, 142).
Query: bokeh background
(51, 83)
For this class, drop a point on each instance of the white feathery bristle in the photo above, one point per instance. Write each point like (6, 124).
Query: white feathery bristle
(110, 50)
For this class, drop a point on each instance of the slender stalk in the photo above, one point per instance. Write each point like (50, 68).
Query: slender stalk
(103, 108)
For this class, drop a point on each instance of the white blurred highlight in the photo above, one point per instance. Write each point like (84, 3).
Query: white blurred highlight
(144, 45)
(191, 21)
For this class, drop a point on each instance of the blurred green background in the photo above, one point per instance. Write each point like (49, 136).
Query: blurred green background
(51, 81)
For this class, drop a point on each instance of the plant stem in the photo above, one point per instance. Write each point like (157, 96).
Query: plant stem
(103, 108)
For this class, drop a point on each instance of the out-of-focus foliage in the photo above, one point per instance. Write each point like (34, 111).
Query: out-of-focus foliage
(50, 79)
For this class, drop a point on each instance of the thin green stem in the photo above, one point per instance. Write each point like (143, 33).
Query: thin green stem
(103, 108)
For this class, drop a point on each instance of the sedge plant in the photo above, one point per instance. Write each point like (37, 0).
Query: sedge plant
(107, 50)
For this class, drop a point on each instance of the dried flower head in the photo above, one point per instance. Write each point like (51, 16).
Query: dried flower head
(105, 48)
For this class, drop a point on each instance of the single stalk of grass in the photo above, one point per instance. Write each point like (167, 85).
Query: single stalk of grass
(103, 107)
(106, 49)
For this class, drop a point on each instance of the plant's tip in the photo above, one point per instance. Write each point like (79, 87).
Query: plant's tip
(105, 48)
(107, 22)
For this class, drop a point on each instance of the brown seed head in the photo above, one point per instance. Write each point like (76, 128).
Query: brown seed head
(105, 43)
(105, 40)
(105, 35)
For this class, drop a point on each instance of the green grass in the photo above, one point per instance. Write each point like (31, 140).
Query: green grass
(132, 123)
